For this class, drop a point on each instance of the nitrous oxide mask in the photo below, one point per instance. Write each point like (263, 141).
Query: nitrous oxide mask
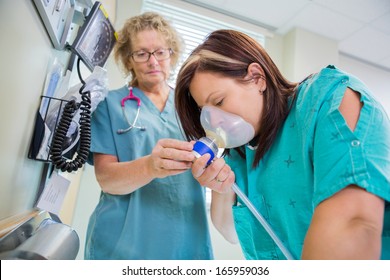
(223, 130)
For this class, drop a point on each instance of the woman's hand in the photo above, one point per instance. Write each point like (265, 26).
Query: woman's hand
(171, 157)
(217, 176)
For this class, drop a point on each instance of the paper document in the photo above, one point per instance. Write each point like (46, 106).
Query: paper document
(54, 193)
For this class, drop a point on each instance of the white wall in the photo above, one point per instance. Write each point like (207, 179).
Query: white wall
(25, 53)
(301, 52)
(378, 80)
(305, 52)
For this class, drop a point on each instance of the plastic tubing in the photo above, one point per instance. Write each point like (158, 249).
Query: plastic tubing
(262, 221)
(207, 145)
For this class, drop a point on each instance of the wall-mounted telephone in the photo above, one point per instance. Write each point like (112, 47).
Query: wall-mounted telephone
(92, 45)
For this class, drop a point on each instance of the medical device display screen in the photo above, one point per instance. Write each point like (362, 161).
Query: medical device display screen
(96, 38)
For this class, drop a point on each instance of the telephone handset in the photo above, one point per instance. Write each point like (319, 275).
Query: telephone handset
(92, 45)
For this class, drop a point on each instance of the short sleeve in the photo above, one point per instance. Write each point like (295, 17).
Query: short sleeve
(342, 157)
(101, 131)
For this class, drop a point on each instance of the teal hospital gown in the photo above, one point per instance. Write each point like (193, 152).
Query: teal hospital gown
(315, 155)
(165, 219)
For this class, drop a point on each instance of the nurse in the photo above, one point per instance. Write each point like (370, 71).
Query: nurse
(316, 164)
(150, 206)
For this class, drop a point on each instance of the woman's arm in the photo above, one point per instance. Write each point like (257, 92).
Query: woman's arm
(169, 157)
(222, 215)
(347, 225)
(219, 177)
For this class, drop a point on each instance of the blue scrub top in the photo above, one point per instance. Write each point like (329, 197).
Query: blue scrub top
(165, 219)
(314, 156)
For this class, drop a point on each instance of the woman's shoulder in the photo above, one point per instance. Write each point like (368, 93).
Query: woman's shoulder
(327, 74)
(322, 85)
(331, 75)
(117, 94)
(117, 91)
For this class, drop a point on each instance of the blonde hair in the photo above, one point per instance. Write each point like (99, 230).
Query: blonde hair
(146, 21)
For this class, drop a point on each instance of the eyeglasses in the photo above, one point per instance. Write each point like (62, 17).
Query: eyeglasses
(159, 55)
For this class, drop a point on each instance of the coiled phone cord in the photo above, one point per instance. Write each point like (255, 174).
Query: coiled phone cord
(70, 108)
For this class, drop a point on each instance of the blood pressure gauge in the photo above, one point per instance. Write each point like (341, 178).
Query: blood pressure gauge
(96, 38)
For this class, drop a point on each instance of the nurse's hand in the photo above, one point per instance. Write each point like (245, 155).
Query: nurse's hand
(218, 176)
(171, 157)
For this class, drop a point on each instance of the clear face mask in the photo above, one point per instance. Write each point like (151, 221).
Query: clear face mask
(228, 130)
(223, 130)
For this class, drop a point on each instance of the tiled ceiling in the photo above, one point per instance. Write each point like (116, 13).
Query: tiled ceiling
(361, 27)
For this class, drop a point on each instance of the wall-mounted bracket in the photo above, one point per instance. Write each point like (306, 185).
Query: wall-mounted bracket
(57, 16)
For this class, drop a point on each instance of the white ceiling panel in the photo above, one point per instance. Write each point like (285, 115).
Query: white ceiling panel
(362, 10)
(268, 13)
(274, 15)
(386, 62)
(367, 44)
(361, 27)
(382, 23)
(323, 21)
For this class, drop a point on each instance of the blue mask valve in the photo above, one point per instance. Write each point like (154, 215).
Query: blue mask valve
(205, 146)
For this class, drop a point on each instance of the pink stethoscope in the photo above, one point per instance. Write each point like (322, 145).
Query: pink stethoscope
(131, 125)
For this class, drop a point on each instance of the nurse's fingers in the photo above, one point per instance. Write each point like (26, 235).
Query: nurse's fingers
(174, 149)
(175, 144)
(169, 164)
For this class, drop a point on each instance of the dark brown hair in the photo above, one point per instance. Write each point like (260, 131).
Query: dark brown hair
(229, 53)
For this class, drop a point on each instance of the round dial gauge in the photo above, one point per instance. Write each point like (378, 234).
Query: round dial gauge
(95, 39)
(102, 47)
